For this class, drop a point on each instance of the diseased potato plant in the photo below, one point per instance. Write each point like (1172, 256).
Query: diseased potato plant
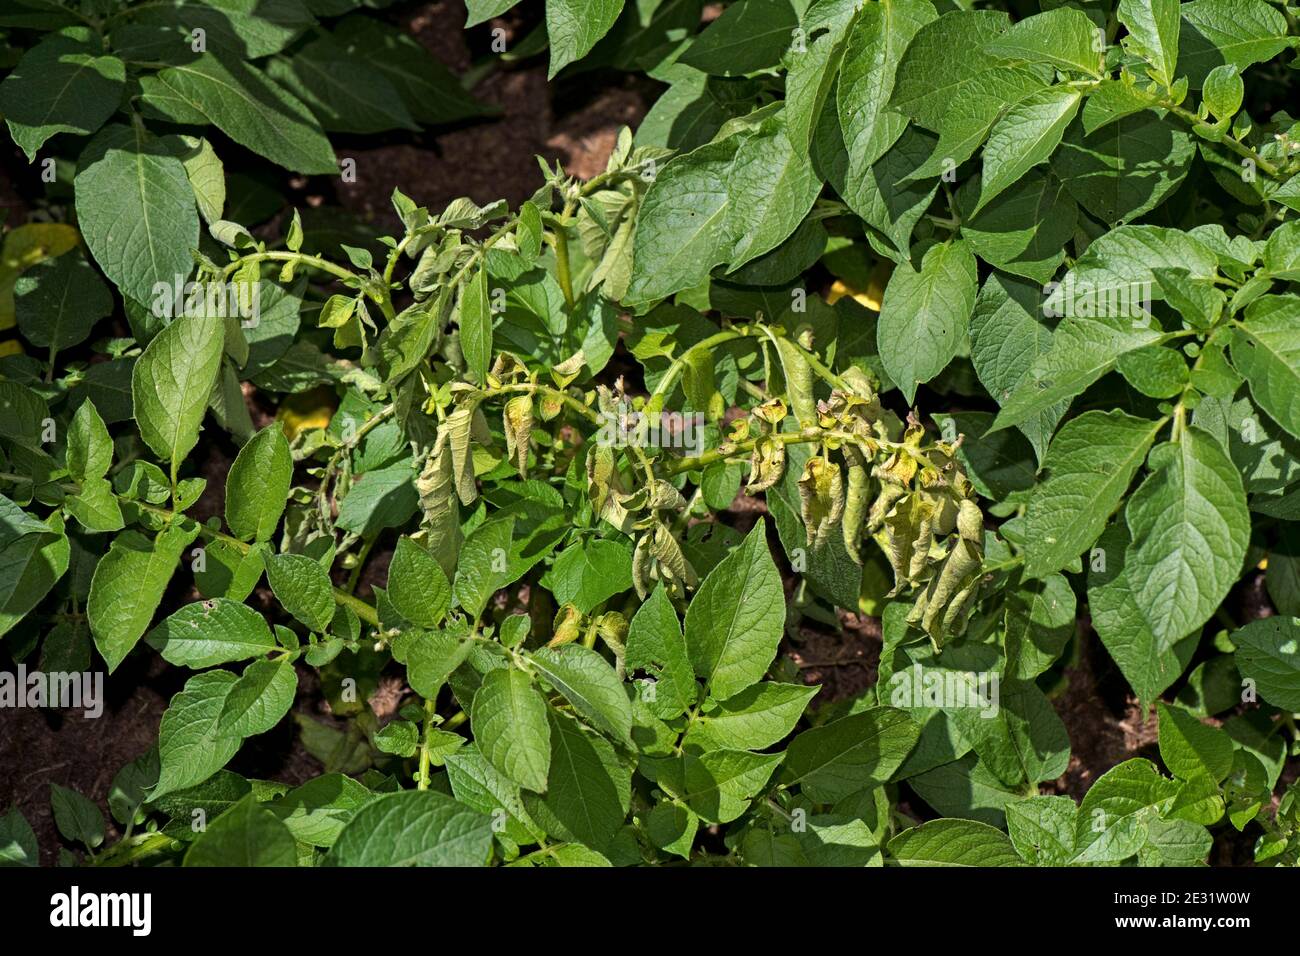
(1054, 389)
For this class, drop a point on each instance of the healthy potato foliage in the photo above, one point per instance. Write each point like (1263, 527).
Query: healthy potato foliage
(994, 310)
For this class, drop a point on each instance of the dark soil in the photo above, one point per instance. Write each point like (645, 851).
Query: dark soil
(1105, 723)
(573, 121)
(40, 747)
(844, 664)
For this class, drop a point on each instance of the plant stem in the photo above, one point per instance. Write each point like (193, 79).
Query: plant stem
(132, 849)
(394, 256)
(741, 449)
(593, 416)
(817, 366)
(362, 610)
(362, 555)
(331, 467)
(684, 518)
(678, 364)
(690, 720)
(430, 711)
(316, 262)
(779, 810)
(531, 388)
(1242, 150)
(562, 262)
(1180, 423)
(481, 252)
(1286, 721)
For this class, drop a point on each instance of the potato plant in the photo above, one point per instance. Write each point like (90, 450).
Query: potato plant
(986, 316)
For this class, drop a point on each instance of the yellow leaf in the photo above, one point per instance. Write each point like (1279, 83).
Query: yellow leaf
(28, 244)
(871, 296)
(25, 246)
(308, 410)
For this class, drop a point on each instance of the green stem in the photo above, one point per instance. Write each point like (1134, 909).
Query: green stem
(1242, 150)
(561, 243)
(821, 369)
(530, 388)
(345, 449)
(366, 545)
(362, 610)
(132, 849)
(1180, 423)
(779, 810)
(315, 262)
(390, 312)
(678, 364)
(395, 255)
(430, 712)
(541, 852)
(690, 720)
(951, 202)
(1014, 562)
(585, 411)
(481, 252)
(742, 449)
(1286, 721)
(683, 519)
(369, 425)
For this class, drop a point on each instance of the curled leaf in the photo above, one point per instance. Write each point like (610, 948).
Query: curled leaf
(772, 411)
(766, 465)
(458, 427)
(856, 494)
(798, 381)
(435, 487)
(821, 499)
(567, 627)
(942, 608)
(605, 488)
(517, 421)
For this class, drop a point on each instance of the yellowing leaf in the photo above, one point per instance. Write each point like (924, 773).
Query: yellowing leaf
(308, 410)
(25, 246)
